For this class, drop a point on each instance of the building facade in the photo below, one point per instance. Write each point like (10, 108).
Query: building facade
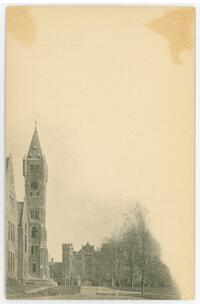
(22, 242)
(26, 236)
(11, 223)
(76, 268)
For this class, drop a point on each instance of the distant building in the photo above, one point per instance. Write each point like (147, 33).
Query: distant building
(11, 222)
(85, 264)
(76, 268)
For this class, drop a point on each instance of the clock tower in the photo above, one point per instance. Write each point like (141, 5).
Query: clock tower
(35, 174)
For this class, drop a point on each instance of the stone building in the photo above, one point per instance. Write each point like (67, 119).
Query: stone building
(85, 264)
(76, 268)
(22, 242)
(26, 236)
(11, 223)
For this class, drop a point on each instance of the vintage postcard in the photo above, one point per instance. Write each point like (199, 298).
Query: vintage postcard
(100, 152)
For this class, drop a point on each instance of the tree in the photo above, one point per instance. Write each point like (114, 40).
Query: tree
(142, 245)
(132, 256)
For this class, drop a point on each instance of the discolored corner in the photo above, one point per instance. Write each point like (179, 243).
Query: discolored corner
(21, 24)
(177, 26)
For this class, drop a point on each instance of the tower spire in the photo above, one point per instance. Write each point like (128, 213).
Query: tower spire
(35, 150)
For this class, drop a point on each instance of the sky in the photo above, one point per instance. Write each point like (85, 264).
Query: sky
(112, 90)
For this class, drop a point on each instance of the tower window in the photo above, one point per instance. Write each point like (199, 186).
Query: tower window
(34, 233)
(31, 168)
(13, 262)
(34, 267)
(35, 214)
(25, 245)
(9, 261)
(13, 233)
(34, 249)
(37, 168)
(9, 230)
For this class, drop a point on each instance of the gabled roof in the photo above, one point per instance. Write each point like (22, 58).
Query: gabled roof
(87, 248)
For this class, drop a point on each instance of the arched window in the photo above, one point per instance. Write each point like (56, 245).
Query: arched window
(34, 232)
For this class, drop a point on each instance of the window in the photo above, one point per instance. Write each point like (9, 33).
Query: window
(13, 262)
(34, 232)
(35, 214)
(38, 193)
(13, 233)
(31, 193)
(37, 168)
(34, 249)
(9, 230)
(31, 168)
(25, 243)
(57, 276)
(9, 261)
(34, 267)
(25, 227)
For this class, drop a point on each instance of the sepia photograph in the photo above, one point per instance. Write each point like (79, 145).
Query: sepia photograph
(100, 145)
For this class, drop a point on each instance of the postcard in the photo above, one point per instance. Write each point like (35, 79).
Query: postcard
(100, 152)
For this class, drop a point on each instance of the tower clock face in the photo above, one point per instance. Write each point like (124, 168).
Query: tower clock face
(34, 185)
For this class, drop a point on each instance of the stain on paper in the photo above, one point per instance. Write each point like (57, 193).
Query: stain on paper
(21, 25)
(177, 27)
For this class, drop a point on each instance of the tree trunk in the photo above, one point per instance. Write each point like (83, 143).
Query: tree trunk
(131, 280)
(142, 284)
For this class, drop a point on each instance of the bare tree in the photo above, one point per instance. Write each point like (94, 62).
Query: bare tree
(132, 256)
(141, 243)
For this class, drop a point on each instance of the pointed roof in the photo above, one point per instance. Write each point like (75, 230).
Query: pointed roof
(35, 150)
(10, 181)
